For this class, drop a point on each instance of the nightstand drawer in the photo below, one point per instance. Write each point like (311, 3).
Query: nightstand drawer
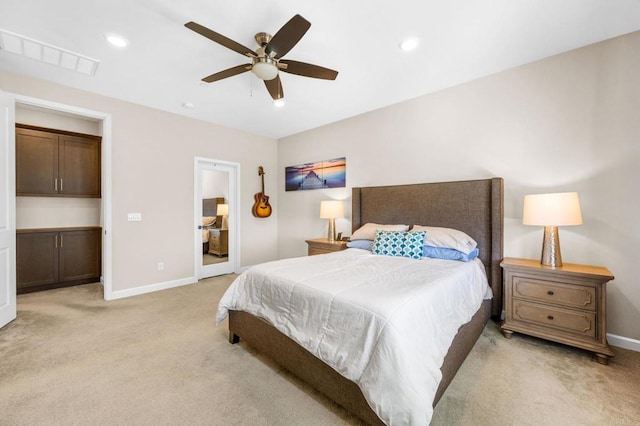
(573, 296)
(314, 250)
(565, 320)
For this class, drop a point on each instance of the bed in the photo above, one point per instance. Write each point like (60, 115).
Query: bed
(474, 207)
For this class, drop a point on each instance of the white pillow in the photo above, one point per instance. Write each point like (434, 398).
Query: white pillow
(447, 237)
(368, 230)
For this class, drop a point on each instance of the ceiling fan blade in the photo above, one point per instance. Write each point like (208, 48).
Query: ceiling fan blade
(220, 39)
(227, 73)
(275, 88)
(287, 36)
(308, 70)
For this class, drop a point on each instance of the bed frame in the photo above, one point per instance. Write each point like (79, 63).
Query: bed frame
(475, 207)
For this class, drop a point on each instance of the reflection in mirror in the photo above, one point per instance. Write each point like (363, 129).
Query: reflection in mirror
(215, 193)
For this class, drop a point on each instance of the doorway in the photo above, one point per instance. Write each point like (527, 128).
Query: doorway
(216, 219)
(9, 101)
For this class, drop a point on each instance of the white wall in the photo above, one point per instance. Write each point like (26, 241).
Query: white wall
(566, 123)
(215, 184)
(153, 160)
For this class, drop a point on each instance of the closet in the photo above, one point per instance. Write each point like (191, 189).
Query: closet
(56, 164)
(58, 182)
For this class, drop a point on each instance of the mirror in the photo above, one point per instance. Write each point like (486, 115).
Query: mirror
(215, 219)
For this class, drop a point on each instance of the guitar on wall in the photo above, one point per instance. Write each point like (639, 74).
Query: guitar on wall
(261, 207)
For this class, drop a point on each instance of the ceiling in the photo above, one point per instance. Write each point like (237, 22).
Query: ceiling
(460, 40)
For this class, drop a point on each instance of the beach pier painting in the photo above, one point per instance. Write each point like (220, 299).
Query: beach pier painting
(317, 175)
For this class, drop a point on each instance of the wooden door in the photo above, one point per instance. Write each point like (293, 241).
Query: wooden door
(36, 259)
(79, 166)
(36, 163)
(80, 254)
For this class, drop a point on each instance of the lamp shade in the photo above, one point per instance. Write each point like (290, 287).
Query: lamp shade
(265, 70)
(559, 209)
(222, 210)
(331, 209)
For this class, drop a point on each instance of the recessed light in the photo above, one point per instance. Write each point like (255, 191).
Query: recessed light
(188, 105)
(409, 44)
(279, 103)
(117, 40)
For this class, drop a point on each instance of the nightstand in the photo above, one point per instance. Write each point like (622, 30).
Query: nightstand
(323, 245)
(564, 304)
(218, 242)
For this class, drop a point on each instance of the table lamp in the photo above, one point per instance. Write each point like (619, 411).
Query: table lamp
(551, 211)
(223, 210)
(331, 210)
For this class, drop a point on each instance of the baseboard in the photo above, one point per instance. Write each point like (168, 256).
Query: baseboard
(120, 294)
(623, 342)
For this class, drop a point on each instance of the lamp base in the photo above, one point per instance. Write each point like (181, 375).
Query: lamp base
(551, 247)
(331, 234)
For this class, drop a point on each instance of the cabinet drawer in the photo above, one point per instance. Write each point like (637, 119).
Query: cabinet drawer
(315, 250)
(582, 323)
(214, 244)
(569, 295)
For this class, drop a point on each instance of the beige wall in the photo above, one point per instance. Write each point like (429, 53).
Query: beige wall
(566, 123)
(153, 161)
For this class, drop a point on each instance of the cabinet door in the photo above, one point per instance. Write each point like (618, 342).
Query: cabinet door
(79, 167)
(80, 254)
(36, 162)
(36, 259)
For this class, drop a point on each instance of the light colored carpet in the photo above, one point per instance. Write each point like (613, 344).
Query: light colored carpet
(73, 359)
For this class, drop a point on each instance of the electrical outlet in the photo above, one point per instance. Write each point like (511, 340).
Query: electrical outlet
(160, 266)
(134, 217)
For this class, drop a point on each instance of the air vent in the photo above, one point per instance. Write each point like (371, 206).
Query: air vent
(43, 52)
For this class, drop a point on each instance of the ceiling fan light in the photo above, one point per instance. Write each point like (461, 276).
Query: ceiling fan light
(265, 70)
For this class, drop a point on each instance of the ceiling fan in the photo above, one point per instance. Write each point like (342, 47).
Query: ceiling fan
(266, 62)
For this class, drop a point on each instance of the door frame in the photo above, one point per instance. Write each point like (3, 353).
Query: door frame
(106, 181)
(8, 308)
(233, 168)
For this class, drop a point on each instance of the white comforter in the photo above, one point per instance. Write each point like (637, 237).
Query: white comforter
(385, 323)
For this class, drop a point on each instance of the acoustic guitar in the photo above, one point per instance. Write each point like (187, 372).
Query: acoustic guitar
(261, 207)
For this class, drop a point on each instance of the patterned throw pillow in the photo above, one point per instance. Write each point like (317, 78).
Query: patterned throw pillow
(388, 243)
(394, 243)
(413, 243)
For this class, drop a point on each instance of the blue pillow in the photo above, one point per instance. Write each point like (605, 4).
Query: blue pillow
(361, 244)
(449, 253)
(394, 243)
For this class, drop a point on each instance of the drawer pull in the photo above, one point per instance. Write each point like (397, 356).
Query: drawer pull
(550, 292)
(549, 317)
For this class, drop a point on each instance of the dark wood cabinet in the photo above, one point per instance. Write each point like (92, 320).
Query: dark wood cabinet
(57, 257)
(56, 163)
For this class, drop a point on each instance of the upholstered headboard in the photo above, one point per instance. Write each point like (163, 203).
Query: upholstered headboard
(475, 207)
(210, 207)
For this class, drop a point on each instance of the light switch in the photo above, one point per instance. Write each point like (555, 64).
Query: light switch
(134, 217)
